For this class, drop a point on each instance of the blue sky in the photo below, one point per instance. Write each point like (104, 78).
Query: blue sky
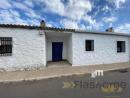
(77, 14)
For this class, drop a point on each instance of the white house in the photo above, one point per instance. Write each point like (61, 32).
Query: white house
(24, 46)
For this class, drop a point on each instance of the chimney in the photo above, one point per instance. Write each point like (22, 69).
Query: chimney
(110, 29)
(42, 24)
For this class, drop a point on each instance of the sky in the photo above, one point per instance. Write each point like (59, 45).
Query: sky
(97, 15)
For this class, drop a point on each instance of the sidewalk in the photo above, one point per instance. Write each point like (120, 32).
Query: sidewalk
(51, 72)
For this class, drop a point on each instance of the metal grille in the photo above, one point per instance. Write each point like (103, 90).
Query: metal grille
(5, 46)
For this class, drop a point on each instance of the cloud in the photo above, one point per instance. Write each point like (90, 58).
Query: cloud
(54, 6)
(5, 4)
(14, 17)
(29, 3)
(125, 28)
(76, 14)
(70, 24)
(95, 26)
(14, 13)
(92, 24)
(109, 19)
(106, 9)
(73, 9)
(11, 12)
(117, 3)
(89, 19)
(6, 17)
(49, 24)
(32, 14)
(11, 16)
(19, 5)
(76, 9)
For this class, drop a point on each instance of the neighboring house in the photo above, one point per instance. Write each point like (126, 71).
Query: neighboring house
(33, 46)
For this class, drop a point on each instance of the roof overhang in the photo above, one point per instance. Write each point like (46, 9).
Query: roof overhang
(64, 30)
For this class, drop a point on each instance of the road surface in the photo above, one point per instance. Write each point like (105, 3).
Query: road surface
(82, 86)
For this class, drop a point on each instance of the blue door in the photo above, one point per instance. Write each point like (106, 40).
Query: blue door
(57, 48)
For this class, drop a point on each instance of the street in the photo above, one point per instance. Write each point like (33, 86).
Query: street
(61, 87)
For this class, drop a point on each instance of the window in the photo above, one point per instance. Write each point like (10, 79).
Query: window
(5, 46)
(89, 45)
(120, 46)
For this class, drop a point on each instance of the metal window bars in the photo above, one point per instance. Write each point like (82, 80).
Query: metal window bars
(5, 46)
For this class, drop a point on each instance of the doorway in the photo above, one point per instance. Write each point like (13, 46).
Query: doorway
(57, 50)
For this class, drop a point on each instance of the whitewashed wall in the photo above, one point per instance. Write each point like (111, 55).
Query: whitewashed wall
(69, 49)
(28, 49)
(105, 49)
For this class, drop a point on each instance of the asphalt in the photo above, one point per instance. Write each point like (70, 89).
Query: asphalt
(60, 87)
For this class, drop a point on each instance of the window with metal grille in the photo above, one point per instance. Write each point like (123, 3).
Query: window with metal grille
(89, 45)
(5, 46)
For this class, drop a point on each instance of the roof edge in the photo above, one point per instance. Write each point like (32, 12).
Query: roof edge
(61, 29)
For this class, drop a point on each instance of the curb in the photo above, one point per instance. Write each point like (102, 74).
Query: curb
(54, 76)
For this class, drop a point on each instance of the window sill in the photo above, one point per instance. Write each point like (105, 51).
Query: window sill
(89, 51)
(121, 52)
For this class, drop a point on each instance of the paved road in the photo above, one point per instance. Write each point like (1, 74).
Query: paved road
(80, 87)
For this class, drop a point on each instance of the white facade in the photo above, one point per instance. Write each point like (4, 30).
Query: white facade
(32, 50)
(28, 49)
(105, 49)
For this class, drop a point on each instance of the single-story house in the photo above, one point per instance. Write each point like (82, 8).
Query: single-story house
(23, 46)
